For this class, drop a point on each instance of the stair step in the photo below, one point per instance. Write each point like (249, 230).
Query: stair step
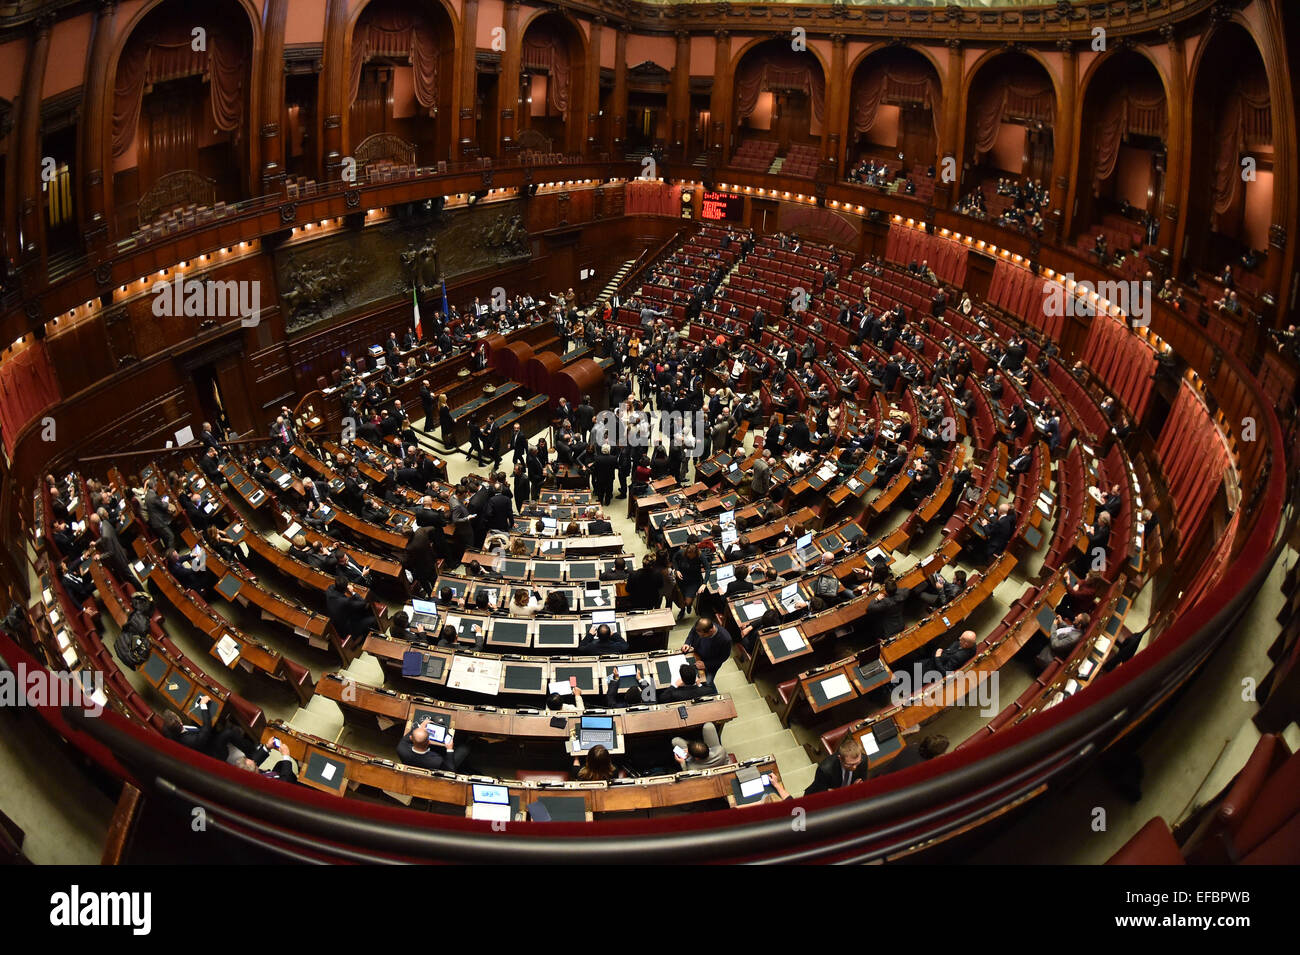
(761, 746)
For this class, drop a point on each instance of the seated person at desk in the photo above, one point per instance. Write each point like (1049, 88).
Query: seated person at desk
(617, 572)
(279, 765)
(957, 654)
(1082, 596)
(940, 592)
(1065, 634)
(711, 645)
(598, 767)
(524, 604)
(230, 744)
(555, 702)
(557, 601)
(686, 687)
(415, 750)
(634, 694)
(602, 640)
(700, 753)
(846, 767)
(597, 525)
(1093, 556)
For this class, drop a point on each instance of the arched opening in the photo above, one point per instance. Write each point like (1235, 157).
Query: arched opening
(780, 109)
(552, 86)
(894, 112)
(1230, 190)
(402, 69)
(1008, 153)
(1125, 128)
(181, 111)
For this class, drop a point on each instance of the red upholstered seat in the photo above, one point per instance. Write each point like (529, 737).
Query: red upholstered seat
(1153, 844)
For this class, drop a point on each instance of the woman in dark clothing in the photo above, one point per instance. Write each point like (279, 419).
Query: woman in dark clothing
(446, 426)
(688, 569)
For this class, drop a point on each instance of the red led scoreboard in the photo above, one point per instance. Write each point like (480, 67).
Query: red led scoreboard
(722, 206)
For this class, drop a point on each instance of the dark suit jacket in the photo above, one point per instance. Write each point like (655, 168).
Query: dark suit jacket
(830, 775)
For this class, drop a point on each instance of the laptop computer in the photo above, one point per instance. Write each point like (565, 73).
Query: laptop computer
(425, 613)
(595, 731)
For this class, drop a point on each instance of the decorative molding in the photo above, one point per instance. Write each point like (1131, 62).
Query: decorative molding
(289, 212)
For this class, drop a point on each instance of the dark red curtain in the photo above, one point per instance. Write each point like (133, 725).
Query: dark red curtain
(1123, 361)
(946, 256)
(27, 387)
(896, 85)
(161, 52)
(652, 198)
(395, 32)
(1194, 459)
(783, 70)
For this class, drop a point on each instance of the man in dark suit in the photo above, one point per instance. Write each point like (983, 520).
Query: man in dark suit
(957, 654)
(490, 442)
(158, 516)
(1021, 463)
(518, 444)
(998, 531)
(500, 513)
(798, 436)
(686, 688)
(349, 613)
(617, 572)
(1016, 421)
(711, 645)
(846, 767)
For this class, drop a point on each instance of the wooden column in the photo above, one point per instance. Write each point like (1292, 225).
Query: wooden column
(1066, 163)
(1178, 156)
(835, 122)
(590, 147)
(679, 99)
(96, 143)
(618, 107)
(468, 132)
(31, 221)
(509, 88)
(336, 74)
(951, 146)
(720, 98)
(274, 16)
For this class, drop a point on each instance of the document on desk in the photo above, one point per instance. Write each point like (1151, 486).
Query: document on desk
(869, 744)
(475, 674)
(836, 686)
(227, 650)
(791, 639)
(752, 611)
(491, 812)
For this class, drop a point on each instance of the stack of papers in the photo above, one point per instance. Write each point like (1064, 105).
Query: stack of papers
(227, 650)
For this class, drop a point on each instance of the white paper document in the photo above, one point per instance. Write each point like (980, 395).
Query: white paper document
(836, 686)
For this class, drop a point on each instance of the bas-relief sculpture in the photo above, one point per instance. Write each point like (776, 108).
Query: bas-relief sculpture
(341, 273)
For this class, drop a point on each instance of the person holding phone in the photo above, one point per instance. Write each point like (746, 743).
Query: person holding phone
(700, 753)
(415, 749)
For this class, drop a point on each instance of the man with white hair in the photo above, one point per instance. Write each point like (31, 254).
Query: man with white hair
(760, 476)
(602, 473)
